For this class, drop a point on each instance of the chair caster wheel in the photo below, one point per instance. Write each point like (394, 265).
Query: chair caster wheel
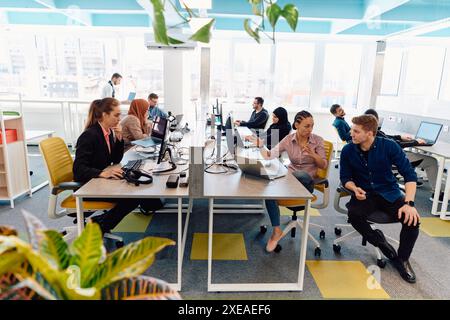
(293, 232)
(277, 248)
(336, 248)
(336, 166)
(119, 244)
(337, 231)
(263, 229)
(317, 252)
(381, 263)
(322, 234)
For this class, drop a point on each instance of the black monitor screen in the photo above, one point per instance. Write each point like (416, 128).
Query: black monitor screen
(159, 128)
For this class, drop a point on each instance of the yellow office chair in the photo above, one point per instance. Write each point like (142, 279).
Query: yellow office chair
(59, 163)
(320, 184)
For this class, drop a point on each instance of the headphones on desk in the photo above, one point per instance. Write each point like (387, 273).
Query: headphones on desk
(134, 176)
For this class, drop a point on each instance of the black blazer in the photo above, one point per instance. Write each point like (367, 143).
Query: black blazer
(92, 154)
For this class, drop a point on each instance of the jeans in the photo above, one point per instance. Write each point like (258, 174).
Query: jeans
(358, 211)
(272, 205)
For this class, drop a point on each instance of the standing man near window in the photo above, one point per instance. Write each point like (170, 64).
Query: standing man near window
(340, 124)
(109, 90)
(153, 110)
(366, 171)
(258, 118)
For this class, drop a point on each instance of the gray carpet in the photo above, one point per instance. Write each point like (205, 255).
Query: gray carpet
(430, 258)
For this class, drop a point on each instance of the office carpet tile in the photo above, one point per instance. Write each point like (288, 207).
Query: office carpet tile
(134, 222)
(286, 212)
(435, 227)
(226, 246)
(347, 280)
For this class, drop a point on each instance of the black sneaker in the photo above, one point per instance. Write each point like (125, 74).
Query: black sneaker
(419, 184)
(405, 270)
(441, 197)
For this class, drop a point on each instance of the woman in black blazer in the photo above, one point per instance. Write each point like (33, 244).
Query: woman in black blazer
(97, 149)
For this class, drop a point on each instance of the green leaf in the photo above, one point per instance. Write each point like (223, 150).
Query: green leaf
(159, 23)
(290, 13)
(34, 286)
(55, 248)
(175, 41)
(87, 251)
(273, 12)
(204, 33)
(33, 225)
(248, 29)
(10, 262)
(128, 261)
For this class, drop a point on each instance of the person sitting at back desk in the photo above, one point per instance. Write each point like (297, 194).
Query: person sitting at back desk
(306, 152)
(135, 125)
(429, 163)
(279, 128)
(96, 149)
(366, 171)
(340, 124)
(259, 116)
(153, 110)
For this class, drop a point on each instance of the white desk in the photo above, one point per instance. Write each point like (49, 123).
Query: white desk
(241, 186)
(441, 151)
(103, 188)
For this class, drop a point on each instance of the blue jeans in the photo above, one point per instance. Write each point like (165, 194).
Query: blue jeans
(272, 205)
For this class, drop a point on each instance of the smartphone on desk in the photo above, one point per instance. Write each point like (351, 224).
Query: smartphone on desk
(184, 180)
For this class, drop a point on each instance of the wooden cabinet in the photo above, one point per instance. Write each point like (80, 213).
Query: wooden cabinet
(14, 171)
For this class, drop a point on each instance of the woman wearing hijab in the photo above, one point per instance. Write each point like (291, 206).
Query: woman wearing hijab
(279, 128)
(135, 125)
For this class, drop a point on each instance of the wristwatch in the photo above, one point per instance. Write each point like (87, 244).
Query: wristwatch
(410, 203)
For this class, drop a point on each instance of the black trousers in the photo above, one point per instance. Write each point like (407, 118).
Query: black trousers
(358, 210)
(112, 218)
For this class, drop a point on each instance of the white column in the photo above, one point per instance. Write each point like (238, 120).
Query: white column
(177, 82)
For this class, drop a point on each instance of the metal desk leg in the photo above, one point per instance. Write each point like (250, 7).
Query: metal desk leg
(437, 191)
(303, 246)
(186, 226)
(444, 206)
(210, 238)
(80, 214)
(177, 286)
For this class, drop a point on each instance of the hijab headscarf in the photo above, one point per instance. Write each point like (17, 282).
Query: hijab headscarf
(139, 108)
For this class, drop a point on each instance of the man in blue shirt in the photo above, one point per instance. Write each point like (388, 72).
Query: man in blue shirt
(153, 110)
(340, 124)
(366, 171)
(259, 116)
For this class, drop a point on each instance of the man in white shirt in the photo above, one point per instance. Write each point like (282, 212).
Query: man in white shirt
(109, 89)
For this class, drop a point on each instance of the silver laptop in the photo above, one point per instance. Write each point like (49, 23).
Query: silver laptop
(429, 132)
(267, 169)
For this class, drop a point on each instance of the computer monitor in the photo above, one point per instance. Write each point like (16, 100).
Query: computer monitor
(429, 132)
(159, 128)
(164, 148)
(131, 96)
(229, 132)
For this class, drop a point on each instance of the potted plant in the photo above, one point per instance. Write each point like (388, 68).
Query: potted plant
(49, 268)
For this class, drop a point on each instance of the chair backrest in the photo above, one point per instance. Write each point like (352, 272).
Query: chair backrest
(57, 159)
(323, 173)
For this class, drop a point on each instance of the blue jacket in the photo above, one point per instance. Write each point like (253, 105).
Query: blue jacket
(376, 175)
(343, 129)
(156, 112)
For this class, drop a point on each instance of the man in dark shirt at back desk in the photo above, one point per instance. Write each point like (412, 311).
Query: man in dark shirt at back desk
(258, 118)
(340, 124)
(366, 171)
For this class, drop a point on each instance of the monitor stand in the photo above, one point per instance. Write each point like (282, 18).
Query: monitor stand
(165, 166)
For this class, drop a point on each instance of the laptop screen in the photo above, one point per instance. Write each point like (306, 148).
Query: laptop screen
(428, 131)
(131, 96)
(159, 127)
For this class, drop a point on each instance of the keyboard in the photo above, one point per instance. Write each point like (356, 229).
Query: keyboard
(132, 165)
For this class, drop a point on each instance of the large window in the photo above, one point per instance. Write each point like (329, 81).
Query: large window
(445, 88)
(424, 70)
(293, 68)
(391, 71)
(341, 75)
(251, 71)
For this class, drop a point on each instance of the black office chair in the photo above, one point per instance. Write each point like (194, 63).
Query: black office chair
(377, 217)
(397, 175)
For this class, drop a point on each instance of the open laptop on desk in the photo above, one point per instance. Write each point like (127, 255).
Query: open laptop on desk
(131, 96)
(429, 132)
(267, 169)
(157, 135)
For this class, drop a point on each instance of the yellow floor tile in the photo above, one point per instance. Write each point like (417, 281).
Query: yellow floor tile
(435, 227)
(345, 280)
(133, 222)
(286, 212)
(226, 246)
